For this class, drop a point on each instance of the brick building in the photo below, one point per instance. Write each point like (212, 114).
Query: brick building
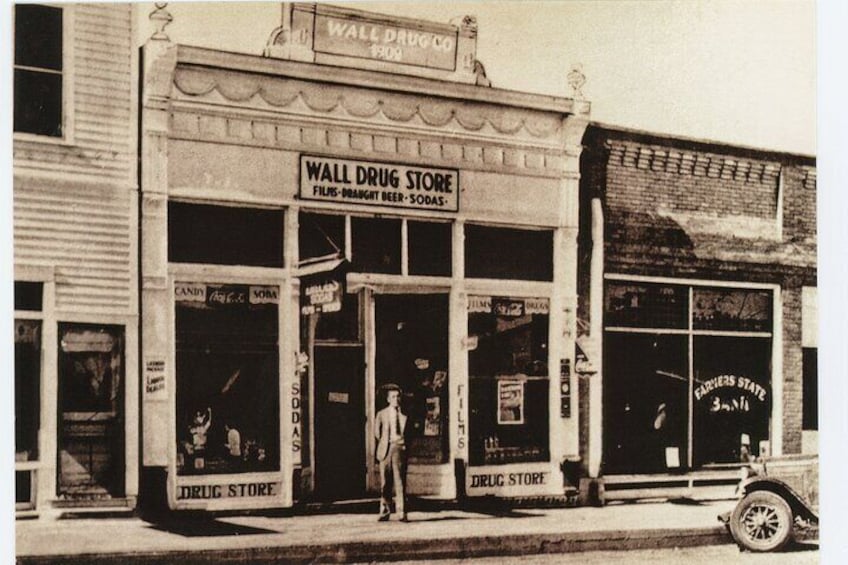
(698, 282)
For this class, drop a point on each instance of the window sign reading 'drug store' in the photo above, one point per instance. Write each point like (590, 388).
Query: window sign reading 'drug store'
(378, 184)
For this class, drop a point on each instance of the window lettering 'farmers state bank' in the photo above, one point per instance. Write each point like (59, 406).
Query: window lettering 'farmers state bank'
(378, 184)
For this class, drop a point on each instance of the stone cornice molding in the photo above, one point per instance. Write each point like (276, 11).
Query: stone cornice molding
(360, 103)
(378, 80)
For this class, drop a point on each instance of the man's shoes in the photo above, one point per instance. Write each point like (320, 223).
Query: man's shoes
(403, 518)
(383, 518)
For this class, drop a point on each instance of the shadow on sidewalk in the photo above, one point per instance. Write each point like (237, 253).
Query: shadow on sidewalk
(206, 527)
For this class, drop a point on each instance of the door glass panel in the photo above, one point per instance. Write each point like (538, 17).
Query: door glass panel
(91, 419)
(412, 352)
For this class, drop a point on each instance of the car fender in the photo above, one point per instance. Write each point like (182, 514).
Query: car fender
(800, 507)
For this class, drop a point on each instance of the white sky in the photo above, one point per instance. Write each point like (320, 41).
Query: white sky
(738, 71)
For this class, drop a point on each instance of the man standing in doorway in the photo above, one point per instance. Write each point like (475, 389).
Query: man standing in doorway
(391, 453)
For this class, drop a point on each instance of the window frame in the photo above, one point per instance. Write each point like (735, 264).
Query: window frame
(775, 445)
(68, 104)
(39, 480)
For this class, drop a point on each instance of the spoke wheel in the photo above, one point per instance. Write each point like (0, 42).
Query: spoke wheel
(762, 521)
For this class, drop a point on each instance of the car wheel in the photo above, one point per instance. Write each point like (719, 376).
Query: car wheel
(762, 521)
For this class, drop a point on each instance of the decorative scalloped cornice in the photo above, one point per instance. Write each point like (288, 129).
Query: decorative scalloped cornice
(362, 103)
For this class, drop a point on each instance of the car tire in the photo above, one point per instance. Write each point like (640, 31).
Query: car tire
(762, 521)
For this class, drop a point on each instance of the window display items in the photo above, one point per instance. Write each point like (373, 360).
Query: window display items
(227, 381)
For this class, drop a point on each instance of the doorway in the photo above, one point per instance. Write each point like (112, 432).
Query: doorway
(412, 352)
(91, 413)
(339, 422)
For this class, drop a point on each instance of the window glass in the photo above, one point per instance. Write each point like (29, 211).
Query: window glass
(810, 417)
(27, 388)
(731, 310)
(38, 36)
(429, 248)
(376, 245)
(23, 488)
(91, 418)
(228, 413)
(646, 305)
(320, 235)
(224, 235)
(28, 296)
(732, 398)
(509, 386)
(412, 352)
(505, 253)
(645, 404)
(38, 70)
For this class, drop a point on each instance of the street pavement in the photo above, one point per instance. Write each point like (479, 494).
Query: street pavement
(358, 537)
(800, 554)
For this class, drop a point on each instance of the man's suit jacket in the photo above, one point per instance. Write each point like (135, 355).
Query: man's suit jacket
(382, 431)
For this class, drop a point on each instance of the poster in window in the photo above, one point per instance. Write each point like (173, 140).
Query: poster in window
(432, 418)
(510, 402)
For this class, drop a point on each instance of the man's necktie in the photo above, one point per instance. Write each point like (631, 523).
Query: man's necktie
(397, 424)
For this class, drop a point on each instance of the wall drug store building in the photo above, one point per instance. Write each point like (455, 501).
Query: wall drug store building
(451, 207)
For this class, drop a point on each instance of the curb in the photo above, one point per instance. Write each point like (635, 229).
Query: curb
(411, 549)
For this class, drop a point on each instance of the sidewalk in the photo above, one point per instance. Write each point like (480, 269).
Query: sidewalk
(359, 537)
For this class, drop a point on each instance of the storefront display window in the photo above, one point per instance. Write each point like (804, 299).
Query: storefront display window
(509, 381)
(646, 405)
(91, 394)
(732, 398)
(224, 235)
(507, 253)
(227, 380)
(649, 385)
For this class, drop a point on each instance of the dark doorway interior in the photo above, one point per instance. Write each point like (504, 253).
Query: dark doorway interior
(412, 351)
(339, 422)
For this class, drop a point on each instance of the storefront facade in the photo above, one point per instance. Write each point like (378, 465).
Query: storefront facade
(75, 247)
(699, 279)
(347, 211)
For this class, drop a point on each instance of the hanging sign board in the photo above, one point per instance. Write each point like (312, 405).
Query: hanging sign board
(378, 184)
(323, 292)
(366, 38)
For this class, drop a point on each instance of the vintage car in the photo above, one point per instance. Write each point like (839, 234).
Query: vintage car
(779, 499)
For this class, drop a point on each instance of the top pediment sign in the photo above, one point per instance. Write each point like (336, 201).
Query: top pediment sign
(333, 35)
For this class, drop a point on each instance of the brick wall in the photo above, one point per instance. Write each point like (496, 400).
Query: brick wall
(647, 178)
(688, 209)
(792, 367)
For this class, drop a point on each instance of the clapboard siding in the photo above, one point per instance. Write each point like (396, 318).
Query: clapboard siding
(74, 201)
(100, 141)
(86, 239)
